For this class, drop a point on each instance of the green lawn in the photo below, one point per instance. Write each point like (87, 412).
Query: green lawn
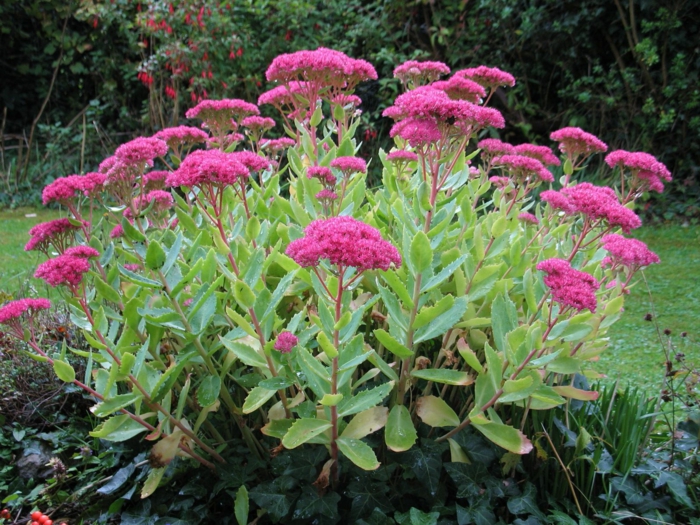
(17, 266)
(635, 354)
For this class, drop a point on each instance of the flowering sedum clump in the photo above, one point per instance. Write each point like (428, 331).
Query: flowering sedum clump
(234, 282)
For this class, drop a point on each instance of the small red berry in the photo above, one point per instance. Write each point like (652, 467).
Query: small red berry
(36, 515)
(35, 523)
(48, 522)
(43, 519)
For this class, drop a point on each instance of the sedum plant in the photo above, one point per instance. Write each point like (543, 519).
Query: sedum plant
(236, 285)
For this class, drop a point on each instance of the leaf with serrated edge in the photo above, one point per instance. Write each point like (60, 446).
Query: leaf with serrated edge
(448, 377)
(303, 430)
(502, 435)
(256, 398)
(358, 452)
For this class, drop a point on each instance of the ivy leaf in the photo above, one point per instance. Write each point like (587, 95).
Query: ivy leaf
(426, 463)
(479, 513)
(368, 497)
(311, 504)
(416, 517)
(119, 478)
(526, 503)
(273, 497)
(468, 478)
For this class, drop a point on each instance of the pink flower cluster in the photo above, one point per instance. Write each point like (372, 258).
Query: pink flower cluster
(528, 217)
(349, 165)
(14, 310)
(628, 252)
(68, 268)
(643, 166)
(208, 167)
(344, 241)
(155, 180)
(401, 155)
(276, 145)
(542, 153)
(181, 136)
(278, 96)
(322, 66)
(63, 190)
(250, 160)
(425, 114)
(285, 342)
(162, 200)
(575, 142)
(57, 232)
(523, 169)
(595, 202)
(570, 287)
(326, 195)
(258, 124)
(461, 88)
(322, 173)
(488, 77)
(141, 150)
(493, 147)
(222, 110)
(418, 73)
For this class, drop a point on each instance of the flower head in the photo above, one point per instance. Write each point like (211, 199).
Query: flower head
(344, 241)
(258, 124)
(223, 114)
(322, 173)
(285, 342)
(461, 88)
(595, 202)
(250, 160)
(326, 195)
(488, 77)
(64, 269)
(528, 217)
(570, 287)
(64, 189)
(575, 142)
(278, 96)
(182, 136)
(82, 251)
(542, 153)
(57, 233)
(349, 165)
(162, 200)
(14, 310)
(419, 73)
(524, 169)
(641, 166)
(628, 252)
(141, 150)
(401, 155)
(155, 180)
(416, 131)
(276, 145)
(494, 147)
(208, 167)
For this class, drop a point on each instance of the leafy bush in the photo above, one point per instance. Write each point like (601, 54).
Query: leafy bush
(286, 304)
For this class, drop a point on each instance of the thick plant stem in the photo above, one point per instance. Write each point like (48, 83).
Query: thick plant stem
(334, 379)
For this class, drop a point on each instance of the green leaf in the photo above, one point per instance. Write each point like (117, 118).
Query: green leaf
(152, 481)
(256, 398)
(421, 256)
(139, 279)
(326, 345)
(155, 255)
(118, 428)
(241, 322)
(243, 294)
(360, 453)
(105, 290)
(364, 400)
(208, 391)
(240, 508)
(428, 313)
(276, 383)
(400, 434)
(302, 430)
(392, 344)
(64, 371)
(502, 435)
(277, 428)
(245, 353)
(504, 318)
(167, 380)
(272, 496)
(435, 412)
(443, 323)
(110, 406)
(399, 288)
(443, 274)
(416, 517)
(366, 422)
(314, 503)
(441, 375)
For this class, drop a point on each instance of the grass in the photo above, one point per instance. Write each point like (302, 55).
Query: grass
(17, 266)
(673, 294)
(635, 353)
